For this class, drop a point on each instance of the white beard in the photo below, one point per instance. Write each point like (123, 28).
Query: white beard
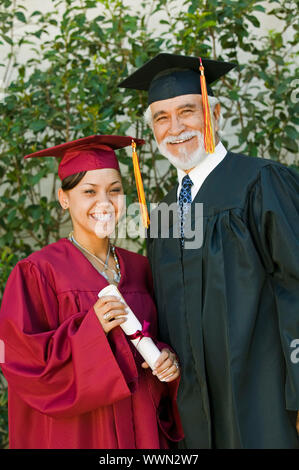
(185, 160)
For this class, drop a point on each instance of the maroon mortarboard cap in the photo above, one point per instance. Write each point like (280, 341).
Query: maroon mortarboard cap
(89, 153)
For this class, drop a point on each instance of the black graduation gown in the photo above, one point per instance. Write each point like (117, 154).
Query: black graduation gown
(230, 308)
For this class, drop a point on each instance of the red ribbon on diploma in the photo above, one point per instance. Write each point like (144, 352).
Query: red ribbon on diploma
(141, 333)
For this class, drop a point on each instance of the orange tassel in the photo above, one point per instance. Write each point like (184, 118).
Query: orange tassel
(139, 186)
(208, 123)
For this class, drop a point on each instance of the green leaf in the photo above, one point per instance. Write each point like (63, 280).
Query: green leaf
(33, 179)
(234, 95)
(290, 144)
(291, 132)
(259, 8)
(35, 212)
(38, 125)
(278, 60)
(21, 17)
(281, 88)
(253, 20)
(11, 216)
(208, 24)
(193, 7)
(7, 39)
(36, 13)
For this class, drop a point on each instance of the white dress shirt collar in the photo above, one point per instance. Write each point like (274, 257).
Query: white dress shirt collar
(203, 169)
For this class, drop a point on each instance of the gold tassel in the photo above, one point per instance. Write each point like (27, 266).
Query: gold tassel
(139, 186)
(208, 123)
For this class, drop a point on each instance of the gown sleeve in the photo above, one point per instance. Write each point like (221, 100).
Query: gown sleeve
(274, 208)
(60, 370)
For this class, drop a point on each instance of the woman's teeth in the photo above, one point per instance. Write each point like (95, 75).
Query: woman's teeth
(102, 217)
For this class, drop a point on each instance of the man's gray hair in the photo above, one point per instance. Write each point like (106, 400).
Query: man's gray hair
(148, 118)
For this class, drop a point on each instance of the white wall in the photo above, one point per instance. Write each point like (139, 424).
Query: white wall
(267, 23)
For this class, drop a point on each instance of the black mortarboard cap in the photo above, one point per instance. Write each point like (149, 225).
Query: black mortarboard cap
(169, 75)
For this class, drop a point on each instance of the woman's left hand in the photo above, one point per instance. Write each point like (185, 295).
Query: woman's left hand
(166, 367)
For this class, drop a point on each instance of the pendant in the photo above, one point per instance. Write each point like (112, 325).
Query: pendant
(116, 277)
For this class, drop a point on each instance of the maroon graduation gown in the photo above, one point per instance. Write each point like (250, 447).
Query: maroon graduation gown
(70, 385)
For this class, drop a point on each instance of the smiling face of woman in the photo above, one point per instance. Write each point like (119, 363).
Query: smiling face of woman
(95, 203)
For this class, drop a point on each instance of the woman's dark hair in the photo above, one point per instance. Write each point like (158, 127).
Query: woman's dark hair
(71, 181)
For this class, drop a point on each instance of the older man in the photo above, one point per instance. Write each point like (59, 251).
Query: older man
(229, 304)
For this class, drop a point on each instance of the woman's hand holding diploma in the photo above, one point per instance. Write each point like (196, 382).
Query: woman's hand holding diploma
(110, 312)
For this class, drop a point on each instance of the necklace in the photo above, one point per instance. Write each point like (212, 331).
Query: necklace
(116, 274)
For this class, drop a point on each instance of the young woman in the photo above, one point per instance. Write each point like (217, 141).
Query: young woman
(74, 378)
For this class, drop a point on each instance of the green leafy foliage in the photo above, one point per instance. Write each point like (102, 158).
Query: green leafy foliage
(66, 88)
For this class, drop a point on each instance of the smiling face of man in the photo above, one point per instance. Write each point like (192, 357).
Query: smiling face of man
(178, 125)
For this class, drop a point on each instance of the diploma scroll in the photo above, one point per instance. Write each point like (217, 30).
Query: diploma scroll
(133, 328)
